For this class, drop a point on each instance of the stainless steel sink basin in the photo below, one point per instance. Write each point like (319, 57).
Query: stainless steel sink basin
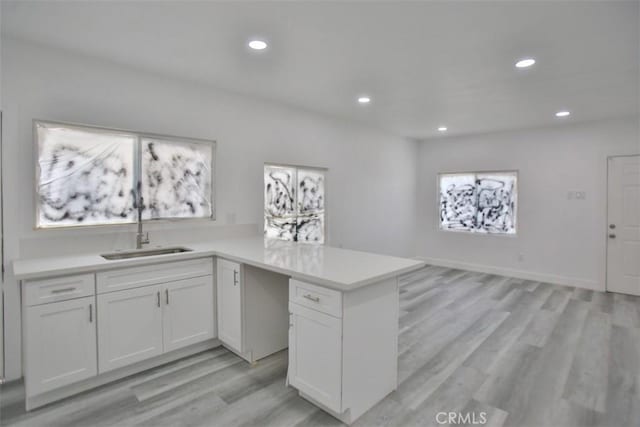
(144, 253)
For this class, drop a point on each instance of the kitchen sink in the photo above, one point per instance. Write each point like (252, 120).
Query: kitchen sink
(144, 253)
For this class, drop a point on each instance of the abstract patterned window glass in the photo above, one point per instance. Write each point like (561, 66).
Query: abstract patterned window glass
(176, 179)
(91, 176)
(480, 202)
(85, 176)
(294, 203)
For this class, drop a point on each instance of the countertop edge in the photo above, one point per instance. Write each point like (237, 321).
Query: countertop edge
(111, 265)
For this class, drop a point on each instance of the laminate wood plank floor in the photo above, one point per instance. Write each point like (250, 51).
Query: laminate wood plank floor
(524, 353)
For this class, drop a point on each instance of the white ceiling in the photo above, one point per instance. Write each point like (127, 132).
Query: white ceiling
(423, 63)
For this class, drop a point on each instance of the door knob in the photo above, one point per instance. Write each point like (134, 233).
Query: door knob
(612, 226)
(612, 236)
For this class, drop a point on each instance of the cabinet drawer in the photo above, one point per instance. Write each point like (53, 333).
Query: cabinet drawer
(43, 291)
(325, 300)
(134, 277)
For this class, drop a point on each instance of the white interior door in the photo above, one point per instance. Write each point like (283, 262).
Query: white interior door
(623, 240)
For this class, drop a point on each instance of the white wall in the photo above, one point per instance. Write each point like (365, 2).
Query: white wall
(561, 241)
(370, 183)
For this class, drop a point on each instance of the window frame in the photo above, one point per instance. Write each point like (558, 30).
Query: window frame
(325, 171)
(480, 172)
(137, 157)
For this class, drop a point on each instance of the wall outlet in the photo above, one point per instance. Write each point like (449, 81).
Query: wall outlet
(576, 195)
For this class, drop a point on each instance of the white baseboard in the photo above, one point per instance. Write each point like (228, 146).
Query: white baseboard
(518, 274)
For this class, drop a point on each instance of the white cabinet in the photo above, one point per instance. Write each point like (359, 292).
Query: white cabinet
(315, 355)
(113, 322)
(129, 326)
(343, 346)
(230, 304)
(252, 310)
(60, 344)
(140, 323)
(188, 316)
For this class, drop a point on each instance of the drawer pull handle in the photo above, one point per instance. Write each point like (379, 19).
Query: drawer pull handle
(235, 277)
(158, 298)
(90, 313)
(166, 294)
(312, 298)
(60, 291)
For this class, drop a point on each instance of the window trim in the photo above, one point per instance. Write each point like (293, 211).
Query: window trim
(476, 172)
(138, 135)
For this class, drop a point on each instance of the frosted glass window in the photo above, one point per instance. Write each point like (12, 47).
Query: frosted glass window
(176, 179)
(84, 177)
(294, 203)
(279, 191)
(91, 176)
(479, 202)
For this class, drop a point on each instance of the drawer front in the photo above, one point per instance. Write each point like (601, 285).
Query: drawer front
(135, 277)
(43, 291)
(322, 299)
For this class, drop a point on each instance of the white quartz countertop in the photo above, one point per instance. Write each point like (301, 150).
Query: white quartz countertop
(336, 268)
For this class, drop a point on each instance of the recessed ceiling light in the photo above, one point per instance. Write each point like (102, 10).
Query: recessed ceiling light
(258, 44)
(563, 114)
(442, 128)
(364, 100)
(525, 63)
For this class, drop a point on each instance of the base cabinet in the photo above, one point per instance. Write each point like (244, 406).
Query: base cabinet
(140, 323)
(252, 310)
(230, 304)
(129, 326)
(60, 344)
(343, 346)
(188, 316)
(80, 331)
(315, 355)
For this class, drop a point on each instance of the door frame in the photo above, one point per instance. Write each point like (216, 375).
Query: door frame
(606, 223)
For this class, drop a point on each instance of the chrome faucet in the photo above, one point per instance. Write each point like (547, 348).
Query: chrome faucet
(141, 238)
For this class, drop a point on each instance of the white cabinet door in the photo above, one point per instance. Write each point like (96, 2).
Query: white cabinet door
(188, 312)
(315, 355)
(129, 326)
(230, 304)
(60, 341)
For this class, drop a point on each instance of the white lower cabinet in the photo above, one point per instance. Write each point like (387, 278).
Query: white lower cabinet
(60, 344)
(252, 310)
(139, 323)
(343, 346)
(188, 316)
(230, 304)
(81, 326)
(315, 355)
(129, 326)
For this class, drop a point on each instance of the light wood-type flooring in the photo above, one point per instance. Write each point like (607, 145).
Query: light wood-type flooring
(523, 353)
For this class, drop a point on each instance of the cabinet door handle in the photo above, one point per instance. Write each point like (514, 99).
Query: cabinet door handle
(235, 277)
(90, 313)
(312, 298)
(158, 298)
(166, 294)
(59, 291)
